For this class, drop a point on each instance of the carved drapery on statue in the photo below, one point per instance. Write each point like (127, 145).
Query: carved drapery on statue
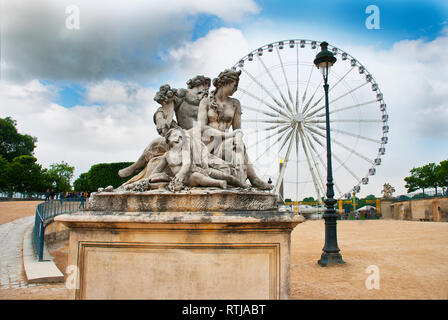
(197, 150)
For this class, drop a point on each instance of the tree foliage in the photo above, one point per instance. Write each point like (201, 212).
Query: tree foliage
(442, 173)
(427, 176)
(12, 143)
(24, 174)
(308, 199)
(106, 174)
(4, 166)
(82, 183)
(59, 176)
(19, 170)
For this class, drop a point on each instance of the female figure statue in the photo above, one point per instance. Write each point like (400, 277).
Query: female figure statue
(216, 114)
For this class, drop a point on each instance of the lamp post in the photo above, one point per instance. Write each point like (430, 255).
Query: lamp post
(330, 255)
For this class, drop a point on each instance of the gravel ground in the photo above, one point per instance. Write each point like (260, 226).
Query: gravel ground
(410, 256)
(12, 210)
(410, 260)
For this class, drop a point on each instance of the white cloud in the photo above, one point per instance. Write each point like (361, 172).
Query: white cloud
(115, 131)
(219, 49)
(120, 38)
(111, 92)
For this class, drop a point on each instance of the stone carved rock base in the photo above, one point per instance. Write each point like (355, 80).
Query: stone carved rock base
(194, 200)
(180, 255)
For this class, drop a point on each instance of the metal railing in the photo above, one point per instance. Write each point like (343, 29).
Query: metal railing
(45, 213)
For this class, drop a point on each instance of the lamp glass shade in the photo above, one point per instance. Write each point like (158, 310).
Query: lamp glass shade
(324, 59)
(325, 67)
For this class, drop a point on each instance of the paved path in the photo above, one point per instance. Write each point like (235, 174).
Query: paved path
(12, 275)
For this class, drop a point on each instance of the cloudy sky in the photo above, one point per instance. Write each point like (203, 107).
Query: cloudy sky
(84, 87)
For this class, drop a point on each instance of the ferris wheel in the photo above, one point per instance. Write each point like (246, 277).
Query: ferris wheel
(283, 104)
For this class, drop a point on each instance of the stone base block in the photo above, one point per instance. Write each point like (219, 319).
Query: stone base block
(173, 255)
(194, 200)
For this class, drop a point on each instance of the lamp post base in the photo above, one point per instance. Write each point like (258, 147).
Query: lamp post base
(330, 259)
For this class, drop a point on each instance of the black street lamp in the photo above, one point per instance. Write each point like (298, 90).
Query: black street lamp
(330, 255)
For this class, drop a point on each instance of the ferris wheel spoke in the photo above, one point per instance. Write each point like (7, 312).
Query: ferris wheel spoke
(312, 97)
(332, 87)
(346, 108)
(345, 147)
(354, 106)
(334, 100)
(284, 75)
(285, 115)
(316, 165)
(358, 120)
(357, 179)
(266, 121)
(270, 114)
(316, 188)
(352, 135)
(274, 127)
(285, 164)
(315, 131)
(297, 79)
(313, 155)
(352, 151)
(349, 92)
(265, 90)
(275, 84)
(336, 158)
(288, 138)
(345, 120)
(340, 79)
(307, 84)
(252, 131)
(271, 145)
(308, 134)
(279, 131)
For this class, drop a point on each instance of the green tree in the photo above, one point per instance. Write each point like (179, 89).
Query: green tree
(442, 174)
(422, 178)
(82, 183)
(12, 143)
(106, 174)
(4, 166)
(429, 175)
(416, 180)
(308, 199)
(59, 176)
(25, 175)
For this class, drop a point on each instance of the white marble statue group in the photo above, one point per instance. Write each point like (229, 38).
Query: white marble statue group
(196, 147)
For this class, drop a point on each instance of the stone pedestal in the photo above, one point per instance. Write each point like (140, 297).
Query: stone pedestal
(124, 249)
(386, 208)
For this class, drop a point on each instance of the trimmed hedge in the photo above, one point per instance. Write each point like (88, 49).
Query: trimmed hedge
(106, 174)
